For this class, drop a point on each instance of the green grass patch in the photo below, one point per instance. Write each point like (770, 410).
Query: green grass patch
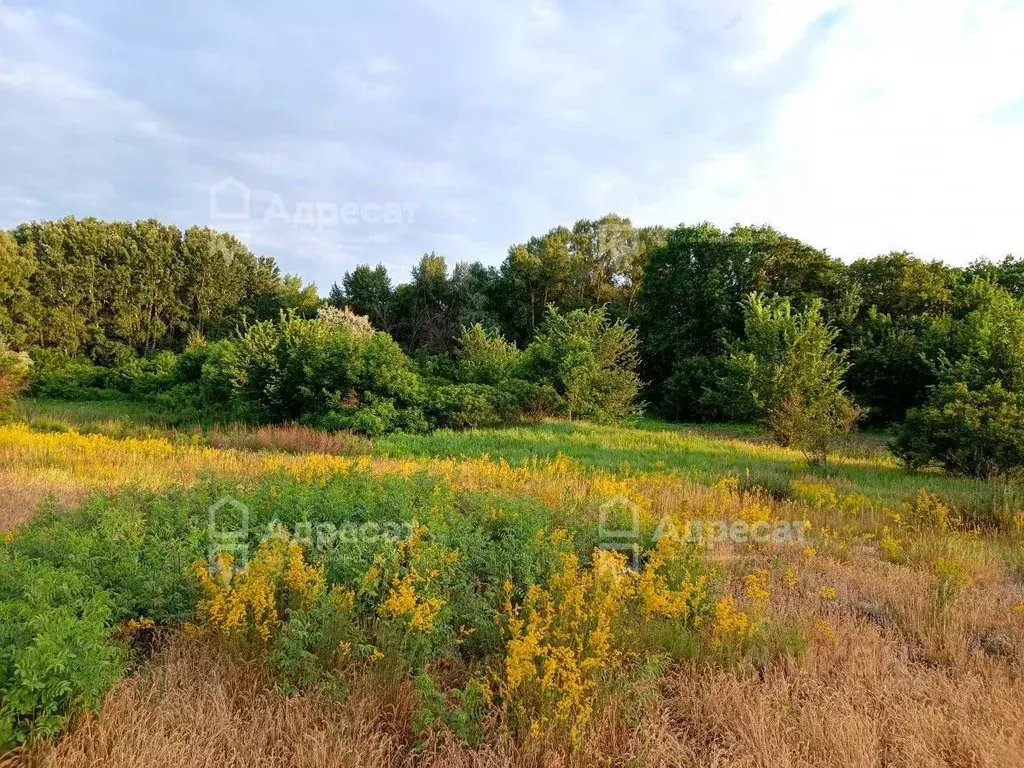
(705, 454)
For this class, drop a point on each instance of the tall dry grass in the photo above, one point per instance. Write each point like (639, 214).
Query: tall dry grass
(288, 438)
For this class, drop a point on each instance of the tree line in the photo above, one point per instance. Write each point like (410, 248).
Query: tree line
(910, 336)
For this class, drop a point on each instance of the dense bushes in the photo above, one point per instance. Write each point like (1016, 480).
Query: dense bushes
(590, 362)
(970, 432)
(335, 372)
(580, 312)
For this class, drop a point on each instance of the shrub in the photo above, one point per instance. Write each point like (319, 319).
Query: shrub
(57, 376)
(484, 357)
(589, 361)
(384, 370)
(248, 602)
(371, 419)
(220, 373)
(519, 399)
(143, 377)
(795, 374)
(707, 388)
(55, 656)
(968, 432)
(307, 368)
(464, 406)
(357, 325)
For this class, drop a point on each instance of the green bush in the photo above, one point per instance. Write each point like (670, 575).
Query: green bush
(794, 374)
(57, 376)
(300, 368)
(484, 357)
(517, 399)
(55, 653)
(464, 406)
(590, 362)
(144, 376)
(968, 432)
(709, 388)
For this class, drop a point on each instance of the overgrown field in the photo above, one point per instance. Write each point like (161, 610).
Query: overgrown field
(555, 594)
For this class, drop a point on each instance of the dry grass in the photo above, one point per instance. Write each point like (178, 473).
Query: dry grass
(197, 706)
(20, 499)
(288, 438)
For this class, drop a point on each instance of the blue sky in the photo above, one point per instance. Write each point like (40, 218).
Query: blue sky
(372, 132)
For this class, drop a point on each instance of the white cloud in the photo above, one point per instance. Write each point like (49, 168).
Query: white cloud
(891, 141)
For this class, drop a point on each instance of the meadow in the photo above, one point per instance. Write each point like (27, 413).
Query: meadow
(456, 599)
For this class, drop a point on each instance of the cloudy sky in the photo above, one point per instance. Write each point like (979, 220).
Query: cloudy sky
(334, 133)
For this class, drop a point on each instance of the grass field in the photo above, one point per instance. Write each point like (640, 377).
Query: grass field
(882, 622)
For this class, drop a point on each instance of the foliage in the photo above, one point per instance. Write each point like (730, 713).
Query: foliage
(594, 264)
(55, 657)
(795, 374)
(464, 406)
(248, 602)
(80, 285)
(14, 376)
(357, 325)
(589, 361)
(975, 432)
(894, 362)
(690, 304)
(484, 357)
(300, 368)
(582, 630)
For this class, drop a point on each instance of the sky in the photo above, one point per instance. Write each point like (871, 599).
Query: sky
(329, 134)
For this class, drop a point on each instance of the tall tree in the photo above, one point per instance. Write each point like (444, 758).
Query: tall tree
(368, 292)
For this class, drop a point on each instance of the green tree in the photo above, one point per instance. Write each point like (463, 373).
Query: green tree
(901, 285)
(690, 306)
(14, 372)
(369, 292)
(19, 309)
(795, 374)
(428, 307)
(590, 361)
(894, 362)
(1008, 274)
(595, 263)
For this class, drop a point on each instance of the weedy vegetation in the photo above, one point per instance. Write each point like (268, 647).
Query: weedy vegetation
(448, 596)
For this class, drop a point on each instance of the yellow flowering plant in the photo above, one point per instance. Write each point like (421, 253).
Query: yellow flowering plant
(249, 602)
